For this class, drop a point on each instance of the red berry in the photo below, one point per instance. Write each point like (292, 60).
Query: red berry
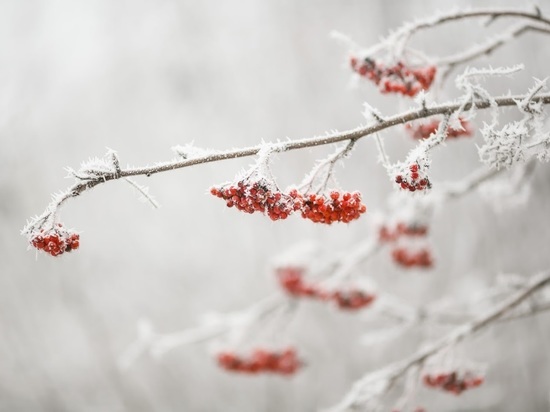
(396, 79)
(284, 362)
(455, 382)
(424, 130)
(252, 196)
(406, 258)
(362, 70)
(336, 208)
(352, 299)
(56, 240)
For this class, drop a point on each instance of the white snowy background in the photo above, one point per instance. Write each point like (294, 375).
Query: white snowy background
(78, 77)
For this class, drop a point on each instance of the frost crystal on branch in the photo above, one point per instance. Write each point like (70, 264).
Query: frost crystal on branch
(190, 151)
(508, 145)
(503, 148)
(96, 168)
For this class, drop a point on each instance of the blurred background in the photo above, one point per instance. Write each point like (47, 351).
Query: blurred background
(139, 77)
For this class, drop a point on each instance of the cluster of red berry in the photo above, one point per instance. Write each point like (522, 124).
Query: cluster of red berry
(454, 382)
(423, 131)
(353, 299)
(420, 258)
(258, 196)
(387, 234)
(338, 207)
(415, 179)
(292, 281)
(283, 362)
(56, 241)
(394, 79)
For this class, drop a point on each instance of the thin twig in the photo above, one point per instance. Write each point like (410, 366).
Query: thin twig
(326, 165)
(485, 49)
(144, 192)
(471, 182)
(406, 32)
(159, 344)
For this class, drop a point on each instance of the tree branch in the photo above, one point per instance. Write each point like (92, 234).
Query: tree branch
(332, 138)
(361, 393)
(406, 32)
(451, 62)
(355, 134)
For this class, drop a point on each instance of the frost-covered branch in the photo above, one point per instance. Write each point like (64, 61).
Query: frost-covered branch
(471, 182)
(449, 63)
(367, 392)
(100, 171)
(213, 326)
(401, 36)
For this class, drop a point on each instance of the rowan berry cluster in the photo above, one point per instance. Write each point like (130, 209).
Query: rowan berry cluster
(414, 178)
(420, 258)
(338, 207)
(353, 299)
(259, 196)
(292, 281)
(56, 241)
(423, 131)
(454, 382)
(398, 78)
(388, 234)
(283, 362)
